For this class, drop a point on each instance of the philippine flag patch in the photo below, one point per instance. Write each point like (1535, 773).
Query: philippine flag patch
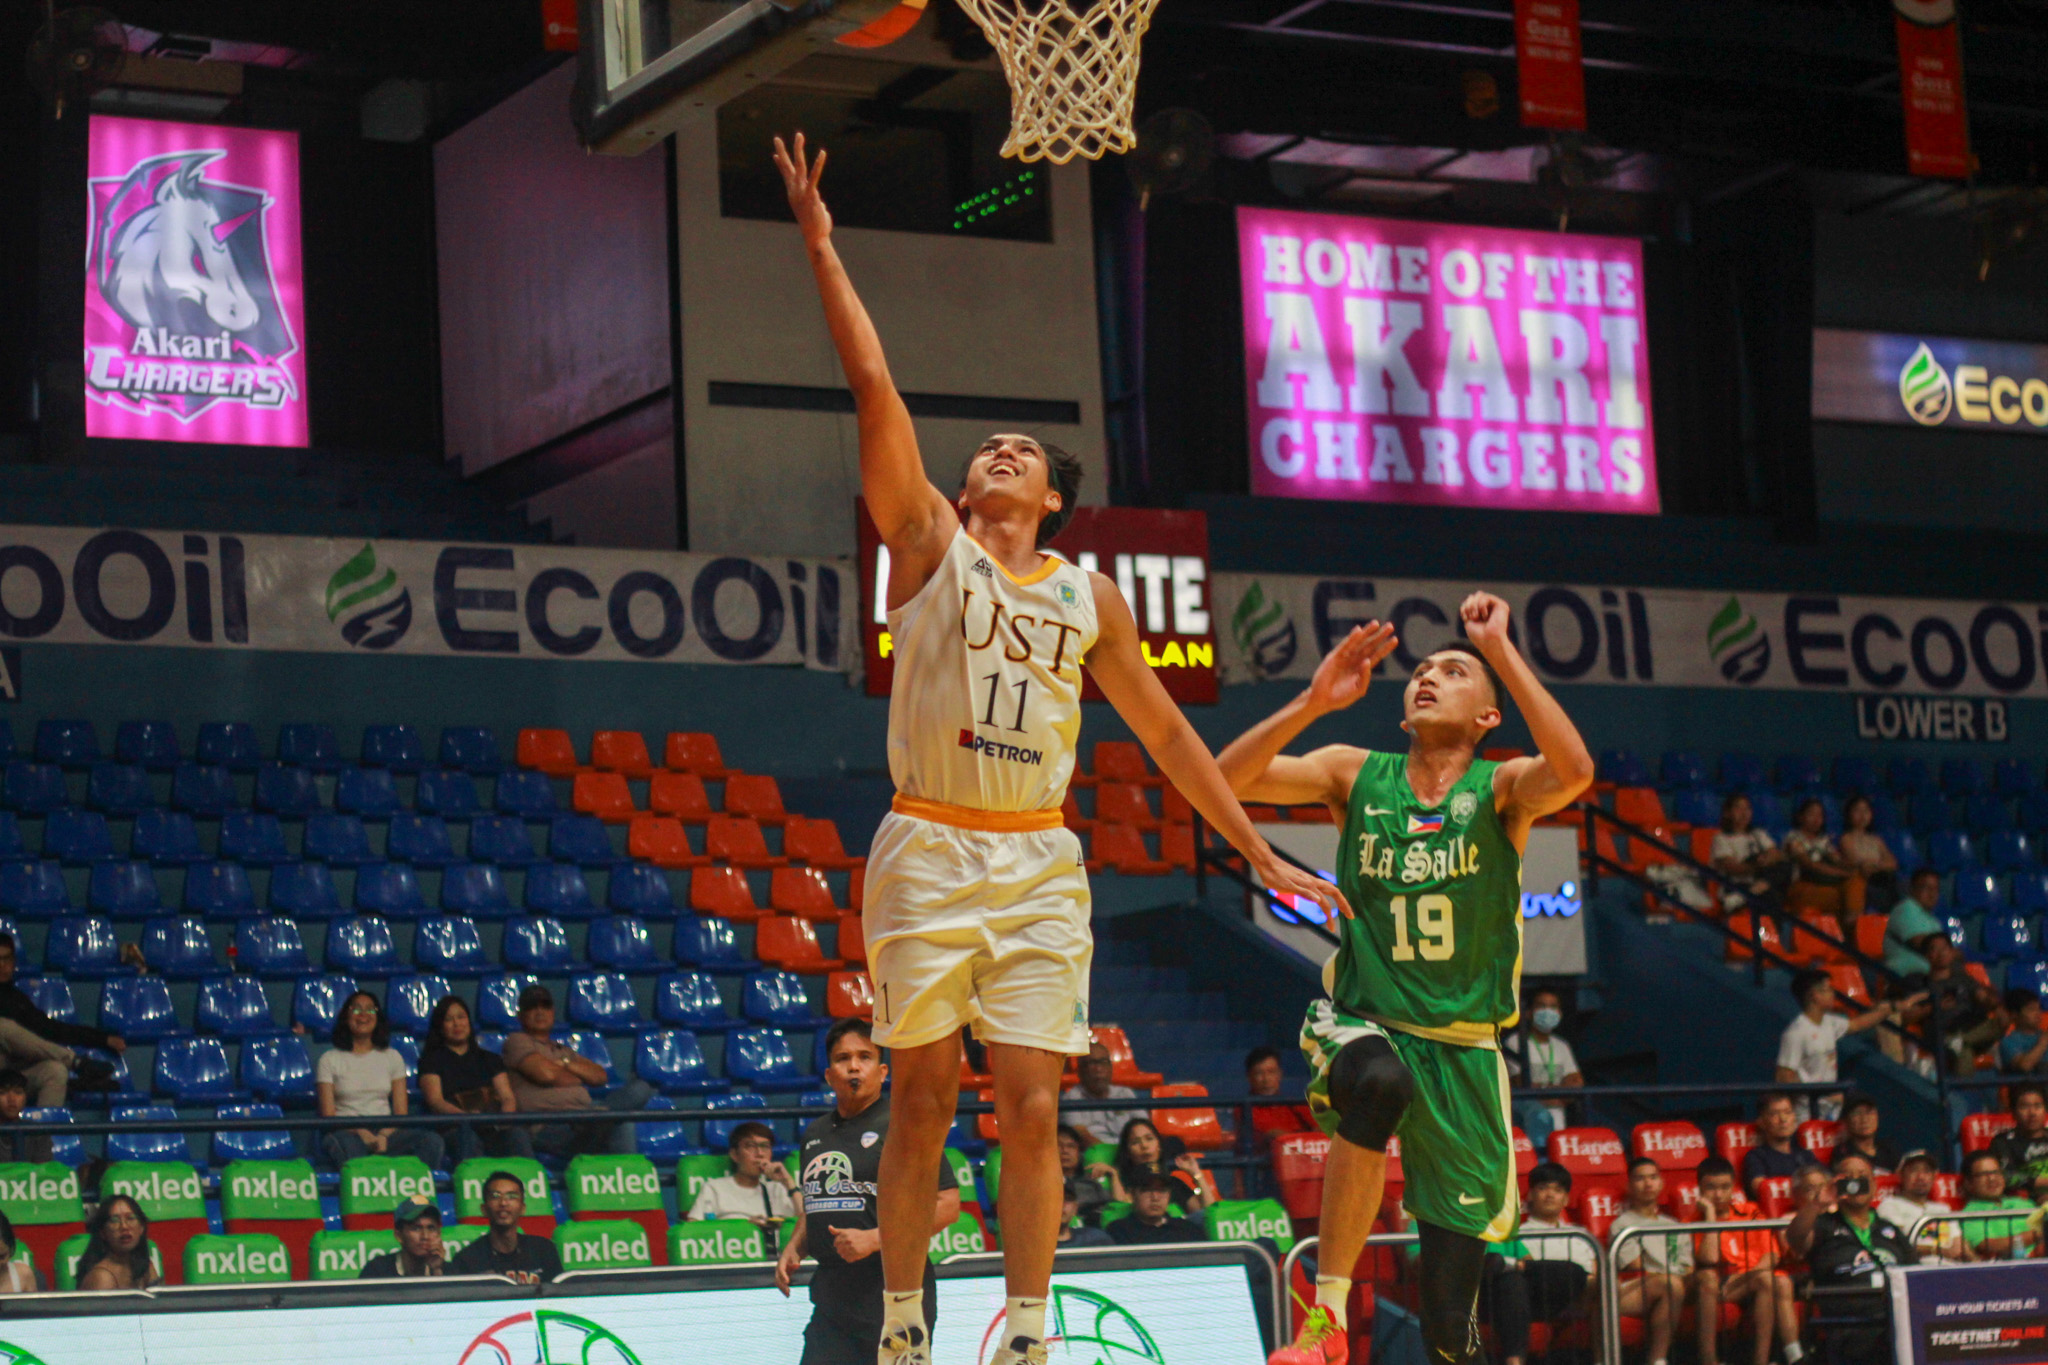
(1425, 824)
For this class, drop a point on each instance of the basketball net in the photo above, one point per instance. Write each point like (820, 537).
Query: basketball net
(1072, 67)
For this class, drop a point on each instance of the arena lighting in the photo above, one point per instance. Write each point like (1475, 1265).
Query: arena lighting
(981, 207)
(1564, 904)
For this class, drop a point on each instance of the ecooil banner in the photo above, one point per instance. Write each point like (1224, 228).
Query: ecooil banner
(75, 585)
(1280, 625)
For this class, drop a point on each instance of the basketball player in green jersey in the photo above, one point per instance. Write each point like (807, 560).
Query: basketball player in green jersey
(1429, 964)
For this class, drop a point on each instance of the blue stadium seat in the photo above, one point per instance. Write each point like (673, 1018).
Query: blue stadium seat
(1623, 768)
(1908, 776)
(535, 943)
(261, 1144)
(1741, 772)
(33, 889)
(662, 1140)
(84, 946)
(362, 946)
(778, 998)
(497, 1000)
(120, 1087)
(11, 845)
(391, 889)
(204, 789)
(447, 793)
(6, 740)
(67, 743)
(271, 947)
(1961, 777)
(2008, 850)
(718, 1132)
(2033, 975)
(78, 838)
(603, 1001)
(1682, 770)
(168, 838)
(408, 1047)
(1957, 927)
(371, 793)
(220, 889)
(338, 840)
(761, 1057)
(118, 788)
(149, 744)
(304, 891)
(2009, 937)
(709, 942)
(1931, 813)
(139, 1009)
(671, 1062)
(1949, 849)
(1797, 772)
(52, 995)
(253, 838)
(316, 1002)
(558, 889)
(691, 999)
(637, 889)
(409, 1000)
(1976, 889)
(283, 790)
(33, 788)
(450, 945)
(177, 946)
(582, 839)
(475, 889)
(1905, 846)
(234, 1007)
(2030, 889)
(421, 840)
(279, 1068)
(123, 888)
(229, 744)
(525, 793)
(1987, 814)
(2034, 812)
(491, 1040)
(1769, 812)
(1697, 807)
(1849, 775)
(64, 1149)
(1884, 810)
(472, 748)
(195, 1070)
(502, 839)
(396, 747)
(306, 745)
(2015, 777)
(622, 943)
(147, 1146)
(590, 1044)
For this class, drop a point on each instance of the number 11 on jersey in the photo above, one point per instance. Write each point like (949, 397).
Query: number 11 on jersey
(988, 713)
(1439, 937)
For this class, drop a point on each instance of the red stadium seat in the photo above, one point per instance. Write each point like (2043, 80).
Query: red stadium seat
(621, 751)
(1979, 1129)
(1948, 1188)
(1597, 1210)
(1298, 1161)
(1198, 1128)
(1638, 806)
(1310, 815)
(816, 842)
(1525, 1153)
(1594, 1156)
(755, 796)
(970, 1079)
(1122, 848)
(548, 750)
(1173, 807)
(856, 886)
(693, 752)
(735, 840)
(1774, 1195)
(801, 891)
(1819, 1136)
(1850, 987)
(679, 795)
(1870, 936)
(1123, 1063)
(1813, 939)
(1742, 924)
(1502, 755)
(792, 944)
(606, 796)
(1673, 1144)
(723, 891)
(1124, 803)
(1732, 1142)
(1262, 814)
(1177, 846)
(1071, 816)
(1122, 760)
(853, 943)
(1682, 1196)
(850, 995)
(662, 842)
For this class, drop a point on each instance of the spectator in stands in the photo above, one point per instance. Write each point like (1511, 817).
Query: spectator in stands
(1101, 1125)
(1141, 1151)
(41, 1048)
(1656, 1271)
(2022, 1150)
(2024, 1051)
(1536, 1279)
(17, 1276)
(14, 1099)
(458, 1077)
(553, 1078)
(1937, 1243)
(361, 1076)
(1806, 1049)
(1262, 1081)
(1073, 1231)
(1965, 1013)
(1747, 855)
(1544, 1059)
(1740, 1268)
(1821, 880)
(1775, 1154)
(117, 1248)
(1863, 851)
(759, 1189)
(1845, 1242)
(1150, 1221)
(1859, 1136)
(1912, 923)
(1994, 1239)
(420, 1253)
(507, 1249)
(1092, 1192)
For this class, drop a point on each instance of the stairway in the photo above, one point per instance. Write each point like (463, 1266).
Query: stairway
(1175, 1029)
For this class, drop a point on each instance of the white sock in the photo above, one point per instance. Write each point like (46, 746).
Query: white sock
(1333, 1292)
(906, 1309)
(1794, 1353)
(1023, 1323)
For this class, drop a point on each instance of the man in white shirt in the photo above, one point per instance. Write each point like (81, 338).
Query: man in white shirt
(1937, 1243)
(1656, 1272)
(1806, 1049)
(1102, 1125)
(760, 1188)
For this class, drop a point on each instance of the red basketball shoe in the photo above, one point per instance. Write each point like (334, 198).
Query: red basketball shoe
(1322, 1342)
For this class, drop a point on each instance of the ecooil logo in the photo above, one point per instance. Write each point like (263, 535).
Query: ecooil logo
(1738, 644)
(386, 604)
(1264, 631)
(10, 1354)
(1084, 1328)
(546, 1337)
(1924, 388)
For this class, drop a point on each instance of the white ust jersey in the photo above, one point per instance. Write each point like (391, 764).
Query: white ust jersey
(986, 707)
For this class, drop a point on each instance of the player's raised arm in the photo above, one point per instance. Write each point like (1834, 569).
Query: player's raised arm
(915, 519)
(1528, 788)
(1127, 680)
(1253, 764)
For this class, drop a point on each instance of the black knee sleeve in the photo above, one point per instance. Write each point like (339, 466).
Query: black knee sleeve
(1452, 1266)
(1369, 1088)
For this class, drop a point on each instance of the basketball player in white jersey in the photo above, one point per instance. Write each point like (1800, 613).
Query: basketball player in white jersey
(977, 904)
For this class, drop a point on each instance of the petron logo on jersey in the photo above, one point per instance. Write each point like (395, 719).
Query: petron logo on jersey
(1083, 1327)
(546, 1337)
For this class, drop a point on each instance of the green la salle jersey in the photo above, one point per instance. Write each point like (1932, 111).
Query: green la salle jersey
(1436, 943)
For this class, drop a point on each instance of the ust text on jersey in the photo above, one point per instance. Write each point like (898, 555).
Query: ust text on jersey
(1007, 702)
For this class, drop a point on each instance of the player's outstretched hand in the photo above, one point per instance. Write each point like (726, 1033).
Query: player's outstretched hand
(1486, 620)
(1283, 878)
(1345, 672)
(785, 1266)
(800, 179)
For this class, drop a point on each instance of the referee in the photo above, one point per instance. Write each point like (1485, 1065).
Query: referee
(841, 1158)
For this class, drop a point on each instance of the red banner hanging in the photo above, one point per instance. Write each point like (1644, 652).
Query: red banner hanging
(1931, 88)
(558, 25)
(1549, 64)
